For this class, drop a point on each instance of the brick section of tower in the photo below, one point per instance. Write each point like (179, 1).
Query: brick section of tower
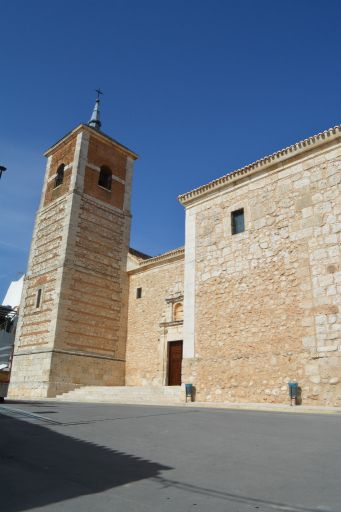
(78, 259)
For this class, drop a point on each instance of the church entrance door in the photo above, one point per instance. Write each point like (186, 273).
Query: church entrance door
(174, 363)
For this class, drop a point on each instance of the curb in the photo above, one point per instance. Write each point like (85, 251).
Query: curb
(298, 409)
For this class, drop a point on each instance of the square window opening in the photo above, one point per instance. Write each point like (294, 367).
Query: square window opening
(105, 178)
(237, 221)
(138, 293)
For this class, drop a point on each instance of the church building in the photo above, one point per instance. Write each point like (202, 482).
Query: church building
(251, 302)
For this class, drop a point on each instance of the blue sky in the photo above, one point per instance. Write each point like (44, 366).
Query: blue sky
(196, 88)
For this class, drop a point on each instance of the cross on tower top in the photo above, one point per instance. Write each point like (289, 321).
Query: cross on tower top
(98, 92)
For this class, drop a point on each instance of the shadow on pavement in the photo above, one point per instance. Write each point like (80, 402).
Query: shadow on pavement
(255, 503)
(39, 466)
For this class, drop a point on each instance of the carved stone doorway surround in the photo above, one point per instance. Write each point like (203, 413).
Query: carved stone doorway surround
(171, 330)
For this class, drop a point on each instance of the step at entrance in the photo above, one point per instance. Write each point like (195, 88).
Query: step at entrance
(163, 395)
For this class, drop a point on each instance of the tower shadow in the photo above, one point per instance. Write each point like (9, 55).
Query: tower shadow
(39, 466)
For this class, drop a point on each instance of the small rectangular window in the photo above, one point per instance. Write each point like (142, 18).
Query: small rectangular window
(38, 299)
(237, 221)
(138, 293)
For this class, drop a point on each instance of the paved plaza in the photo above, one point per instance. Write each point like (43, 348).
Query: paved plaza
(74, 457)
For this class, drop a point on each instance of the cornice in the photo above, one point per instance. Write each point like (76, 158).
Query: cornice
(162, 259)
(261, 164)
(173, 323)
(94, 133)
(178, 298)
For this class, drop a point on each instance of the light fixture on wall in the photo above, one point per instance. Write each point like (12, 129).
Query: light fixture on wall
(2, 169)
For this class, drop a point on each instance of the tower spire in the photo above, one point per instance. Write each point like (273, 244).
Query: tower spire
(95, 121)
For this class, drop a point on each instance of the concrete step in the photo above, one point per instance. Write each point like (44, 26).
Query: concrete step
(163, 395)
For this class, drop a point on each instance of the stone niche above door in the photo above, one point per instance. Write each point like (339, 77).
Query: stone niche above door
(173, 311)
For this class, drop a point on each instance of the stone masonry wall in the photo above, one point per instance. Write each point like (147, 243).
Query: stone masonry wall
(146, 356)
(90, 301)
(78, 258)
(36, 327)
(71, 370)
(30, 375)
(93, 288)
(267, 301)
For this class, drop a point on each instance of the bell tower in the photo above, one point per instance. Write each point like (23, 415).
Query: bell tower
(72, 324)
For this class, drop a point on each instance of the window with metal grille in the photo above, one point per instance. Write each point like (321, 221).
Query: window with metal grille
(237, 221)
(59, 176)
(105, 177)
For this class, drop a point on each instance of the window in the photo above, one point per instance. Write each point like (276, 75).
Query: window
(138, 293)
(105, 177)
(237, 221)
(178, 312)
(38, 298)
(59, 176)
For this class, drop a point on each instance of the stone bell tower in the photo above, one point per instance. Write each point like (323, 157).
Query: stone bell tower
(72, 325)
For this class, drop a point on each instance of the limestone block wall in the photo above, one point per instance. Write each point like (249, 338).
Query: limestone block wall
(70, 370)
(78, 259)
(36, 326)
(146, 356)
(91, 292)
(267, 301)
(30, 376)
(90, 335)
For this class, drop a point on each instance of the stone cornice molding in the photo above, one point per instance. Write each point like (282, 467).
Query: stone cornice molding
(24, 351)
(172, 323)
(162, 259)
(261, 164)
(174, 300)
(94, 133)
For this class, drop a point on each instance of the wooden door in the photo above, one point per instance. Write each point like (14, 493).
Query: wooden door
(174, 363)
